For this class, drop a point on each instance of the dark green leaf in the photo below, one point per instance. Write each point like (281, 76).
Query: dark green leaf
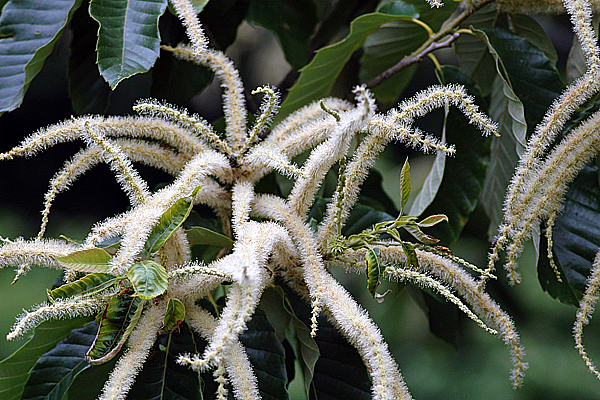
(162, 378)
(464, 174)
(400, 8)
(318, 77)
(29, 29)
(149, 279)
(534, 78)
(222, 19)
(475, 59)
(90, 260)
(200, 235)
(120, 316)
(373, 195)
(294, 25)
(89, 383)
(90, 283)
(390, 43)
(90, 94)
(14, 370)
(340, 373)
(174, 316)
(128, 39)
(267, 356)
(53, 373)
(168, 223)
(530, 30)
(280, 313)
(576, 237)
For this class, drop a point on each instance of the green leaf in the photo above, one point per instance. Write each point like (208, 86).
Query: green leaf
(317, 78)
(576, 237)
(267, 356)
(204, 236)
(280, 313)
(222, 18)
(168, 223)
(389, 44)
(128, 38)
(533, 77)
(418, 234)
(400, 8)
(464, 174)
(88, 384)
(90, 283)
(54, 372)
(294, 25)
(121, 315)
(475, 59)
(90, 94)
(14, 370)
(432, 182)
(340, 373)
(530, 30)
(149, 279)
(90, 260)
(162, 377)
(29, 29)
(174, 316)
(432, 220)
(404, 185)
(411, 255)
(373, 271)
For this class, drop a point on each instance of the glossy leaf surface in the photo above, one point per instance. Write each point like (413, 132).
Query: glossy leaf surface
(168, 223)
(149, 279)
(199, 235)
(54, 372)
(576, 236)
(128, 38)
(90, 260)
(14, 370)
(118, 320)
(90, 283)
(174, 316)
(29, 30)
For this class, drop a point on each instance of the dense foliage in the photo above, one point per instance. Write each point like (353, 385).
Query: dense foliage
(217, 284)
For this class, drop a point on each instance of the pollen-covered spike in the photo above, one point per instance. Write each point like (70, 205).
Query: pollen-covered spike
(130, 180)
(181, 117)
(268, 109)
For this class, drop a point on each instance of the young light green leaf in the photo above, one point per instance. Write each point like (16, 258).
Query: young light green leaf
(149, 279)
(118, 320)
(373, 270)
(28, 32)
(418, 234)
(168, 223)
(90, 260)
(404, 185)
(174, 316)
(317, 78)
(411, 255)
(128, 38)
(15, 370)
(204, 236)
(432, 220)
(88, 284)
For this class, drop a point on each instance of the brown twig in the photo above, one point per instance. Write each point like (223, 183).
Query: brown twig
(406, 61)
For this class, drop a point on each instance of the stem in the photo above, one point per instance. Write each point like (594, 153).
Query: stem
(428, 46)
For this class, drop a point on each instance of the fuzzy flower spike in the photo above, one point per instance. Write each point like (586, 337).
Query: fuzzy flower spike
(151, 270)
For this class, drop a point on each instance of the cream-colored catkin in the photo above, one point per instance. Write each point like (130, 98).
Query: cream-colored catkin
(537, 6)
(585, 312)
(140, 343)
